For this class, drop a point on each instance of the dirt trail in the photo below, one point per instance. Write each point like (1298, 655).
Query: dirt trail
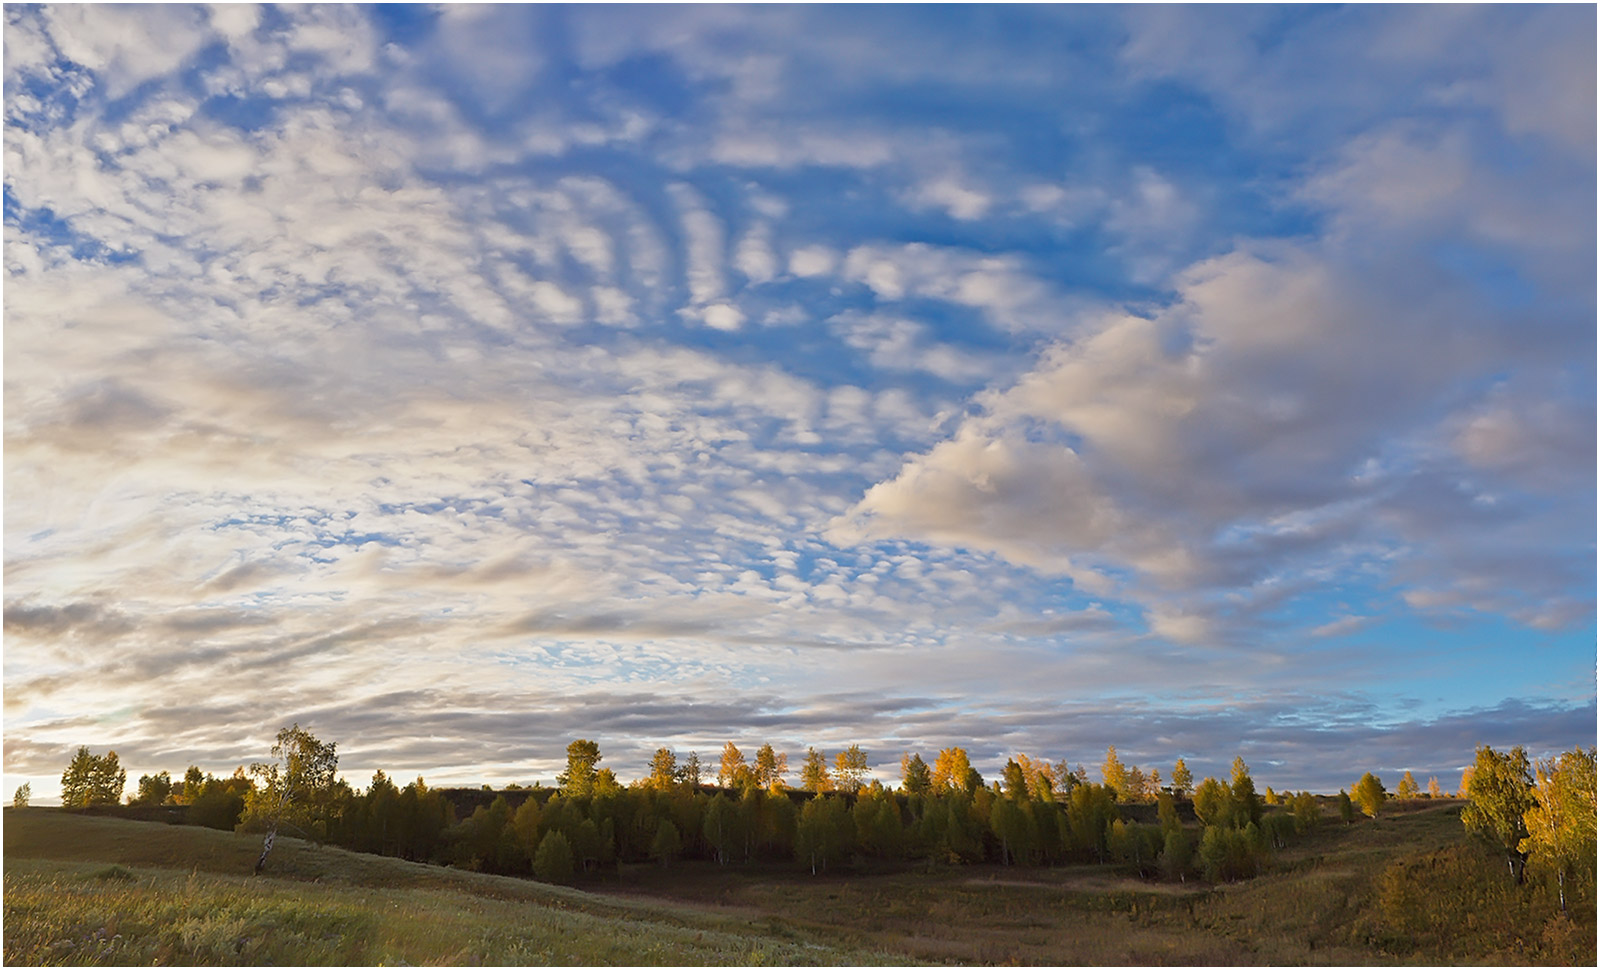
(1093, 884)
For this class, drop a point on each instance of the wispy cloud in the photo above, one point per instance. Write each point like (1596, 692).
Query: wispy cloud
(465, 380)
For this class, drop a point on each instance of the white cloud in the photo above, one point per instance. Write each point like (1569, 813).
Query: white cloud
(702, 238)
(723, 316)
(127, 46)
(953, 196)
(755, 258)
(809, 261)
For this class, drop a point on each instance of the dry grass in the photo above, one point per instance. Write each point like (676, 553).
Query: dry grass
(82, 890)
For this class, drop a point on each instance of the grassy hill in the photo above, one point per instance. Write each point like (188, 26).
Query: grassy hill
(1408, 888)
(81, 890)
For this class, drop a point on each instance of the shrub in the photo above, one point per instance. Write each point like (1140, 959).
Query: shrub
(553, 860)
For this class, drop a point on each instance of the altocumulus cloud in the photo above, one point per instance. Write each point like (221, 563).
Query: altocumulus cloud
(458, 382)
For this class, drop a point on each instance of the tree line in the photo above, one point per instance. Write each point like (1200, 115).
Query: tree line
(1037, 813)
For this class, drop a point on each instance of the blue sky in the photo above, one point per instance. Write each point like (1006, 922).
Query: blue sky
(460, 381)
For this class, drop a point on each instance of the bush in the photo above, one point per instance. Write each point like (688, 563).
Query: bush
(553, 860)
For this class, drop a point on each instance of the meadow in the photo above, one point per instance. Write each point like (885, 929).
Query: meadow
(1407, 888)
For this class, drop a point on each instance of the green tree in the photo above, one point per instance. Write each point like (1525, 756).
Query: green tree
(814, 773)
(849, 769)
(1499, 793)
(771, 766)
(720, 827)
(1561, 822)
(1368, 795)
(1407, 789)
(553, 860)
(91, 780)
(527, 828)
(1136, 783)
(296, 788)
(663, 769)
(1014, 782)
(1167, 813)
(1090, 808)
(666, 846)
(689, 773)
(20, 797)
(1213, 804)
(153, 789)
(1306, 812)
(1176, 851)
(1182, 780)
(1010, 824)
(583, 757)
(915, 777)
(1245, 800)
(824, 833)
(193, 780)
(1347, 808)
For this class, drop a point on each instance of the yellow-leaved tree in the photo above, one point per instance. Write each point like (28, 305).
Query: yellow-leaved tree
(1561, 822)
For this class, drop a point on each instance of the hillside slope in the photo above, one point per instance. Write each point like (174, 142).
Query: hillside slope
(81, 890)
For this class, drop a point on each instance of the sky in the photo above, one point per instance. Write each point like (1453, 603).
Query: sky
(459, 381)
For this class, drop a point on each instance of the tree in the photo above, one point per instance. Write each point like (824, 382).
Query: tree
(1499, 793)
(1368, 794)
(1176, 852)
(553, 860)
(1245, 799)
(577, 781)
(771, 766)
(1213, 804)
(1167, 812)
(814, 773)
(824, 832)
(153, 789)
(526, 826)
(19, 798)
(1013, 781)
(1113, 774)
(1347, 808)
(732, 768)
(1306, 812)
(605, 784)
(690, 772)
(719, 826)
(952, 771)
(915, 777)
(1561, 822)
(849, 768)
(91, 780)
(1433, 788)
(1182, 780)
(297, 787)
(1134, 782)
(666, 845)
(193, 781)
(1407, 789)
(663, 769)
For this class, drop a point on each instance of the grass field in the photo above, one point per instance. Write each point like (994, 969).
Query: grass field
(82, 890)
(1408, 888)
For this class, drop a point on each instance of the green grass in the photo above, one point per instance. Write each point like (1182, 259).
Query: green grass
(1409, 888)
(82, 890)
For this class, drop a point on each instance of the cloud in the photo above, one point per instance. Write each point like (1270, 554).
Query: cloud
(703, 360)
(127, 48)
(1217, 445)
